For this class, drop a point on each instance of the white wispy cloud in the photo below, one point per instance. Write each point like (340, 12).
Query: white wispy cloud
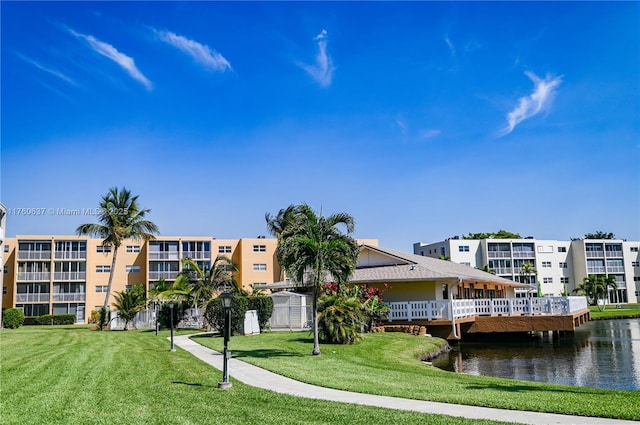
(322, 69)
(126, 62)
(53, 72)
(430, 133)
(452, 48)
(201, 53)
(540, 99)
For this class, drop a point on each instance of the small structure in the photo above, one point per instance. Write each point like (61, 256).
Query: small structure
(291, 311)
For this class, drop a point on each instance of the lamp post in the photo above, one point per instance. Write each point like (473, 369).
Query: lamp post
(155, 313)
(226, 303)
(171, 321)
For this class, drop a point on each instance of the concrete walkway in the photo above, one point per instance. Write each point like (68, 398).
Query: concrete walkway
(261, 378)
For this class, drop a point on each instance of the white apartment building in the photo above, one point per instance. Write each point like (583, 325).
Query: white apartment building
(559, 265)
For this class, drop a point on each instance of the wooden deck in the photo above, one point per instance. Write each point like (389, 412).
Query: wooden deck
(453, 319)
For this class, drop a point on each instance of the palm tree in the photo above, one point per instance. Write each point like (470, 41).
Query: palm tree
(206, 281)
(527, 270)
(120, 218)
(278, 223)
(314, 246)
(597, 287)
(128, 303)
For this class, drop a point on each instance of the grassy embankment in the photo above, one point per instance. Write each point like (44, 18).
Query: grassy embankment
(387, 364)
(72, 375)
(613, 312)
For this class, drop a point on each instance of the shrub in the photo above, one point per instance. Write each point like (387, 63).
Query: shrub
(57, 319)
(30, 320)
(264, 306)
(12, 318)
(164, 315)
(103, 318)
(95, 316)
(214, 313)
(340, 319)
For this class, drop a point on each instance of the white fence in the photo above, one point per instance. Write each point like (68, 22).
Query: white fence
(445, 309)
(291, 317)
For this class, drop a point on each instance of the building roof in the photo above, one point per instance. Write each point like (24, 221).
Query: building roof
(390, 265)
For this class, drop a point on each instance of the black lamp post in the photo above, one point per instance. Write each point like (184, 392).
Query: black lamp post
(171, 321)
(226, 303)
(155, 311)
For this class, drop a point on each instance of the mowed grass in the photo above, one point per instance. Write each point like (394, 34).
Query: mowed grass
(612, 311)
(387, 364)
(73, 375)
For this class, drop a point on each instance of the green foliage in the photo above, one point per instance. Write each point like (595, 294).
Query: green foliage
(600, 235)
(214, 314)
(264, 307)
(94, 316)
(128, 303)
(103, 318)
(56, 319)
(372, 305)
(206, 282)
(340, 319)
(596, 287)
(164, 315)
(12, 318)
(500, 234)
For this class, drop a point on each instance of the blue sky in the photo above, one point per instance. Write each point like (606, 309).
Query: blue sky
(423, 120)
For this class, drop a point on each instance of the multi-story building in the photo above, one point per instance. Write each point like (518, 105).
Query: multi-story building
(559, 266)
(47, 274)
(3, 225)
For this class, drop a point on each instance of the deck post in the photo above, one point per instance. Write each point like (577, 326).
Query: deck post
(409, 311)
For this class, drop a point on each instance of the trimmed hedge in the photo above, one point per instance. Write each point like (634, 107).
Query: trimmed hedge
(264, 306)
(214, 313)
(51, 319)
(12, 318)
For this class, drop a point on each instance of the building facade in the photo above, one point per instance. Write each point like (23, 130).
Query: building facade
(3, 225)
(559, 266)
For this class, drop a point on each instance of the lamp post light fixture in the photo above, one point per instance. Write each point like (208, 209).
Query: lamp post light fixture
(226, 303)
(171, 321)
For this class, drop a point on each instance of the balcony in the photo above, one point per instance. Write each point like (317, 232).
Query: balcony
(499, 254)
(614, 254)
(596, 269)
(32, 298)
(524, 254)
(34, 255)
(69, 275)
(162, 255)
(595, 254)
(615, 269)
(197, 255)
(155, 275)
(70, 297)
(71, 255)
(34, 276)
(503, 270)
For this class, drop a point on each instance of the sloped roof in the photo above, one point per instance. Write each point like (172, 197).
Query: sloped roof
(402, 266)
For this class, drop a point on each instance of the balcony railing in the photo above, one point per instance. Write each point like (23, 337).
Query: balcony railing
(163, 275)
(71, 255)
(596, 269)
(173, 255)
(499, 254)
(69, 275)
(595, 254)
(34, 255)
(503, 270)
(33, 276)
(70, 297)
(524, 254)
(445, 309)
(197, 255)
(615, 269)
(32, 298)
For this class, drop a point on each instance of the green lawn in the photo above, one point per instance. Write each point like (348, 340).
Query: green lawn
(386, 364)
(612, 311)
(72, 375)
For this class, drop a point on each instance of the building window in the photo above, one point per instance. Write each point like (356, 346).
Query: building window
(133, 248)
(103, 269)
(547, 280)
(635, 263)
(133, 269)
(101, 288)
(633, 249)
(260, 267)
(442, 250)
(6, 248)
(259, 248)
(128, 287)
(545, 249)
(546, 264)
(226, 249)
(4, 290)
(564, 280)
(636, 278)
(563, 265)
(6, 269)
(562, 249)
(463, 248)
(101, 248)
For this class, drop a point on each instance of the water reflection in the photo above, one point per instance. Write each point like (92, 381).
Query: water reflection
(599, 354)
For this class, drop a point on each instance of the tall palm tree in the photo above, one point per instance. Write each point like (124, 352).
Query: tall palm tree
(526, 271)
(206, 281)
(314, 246)
(276, 225)
(597, 287)
(120, 217)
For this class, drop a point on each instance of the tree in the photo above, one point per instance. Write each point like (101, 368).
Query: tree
(206, 281)
(500, 234)
(526, 271)
(313, 246)
(128, 303)
(596, 287)
(600, 235)
(276, 225)
(120, 217)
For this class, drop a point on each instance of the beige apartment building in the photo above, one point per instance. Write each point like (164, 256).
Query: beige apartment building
(46, 274)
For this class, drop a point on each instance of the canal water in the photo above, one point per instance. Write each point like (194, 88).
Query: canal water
(599, 354)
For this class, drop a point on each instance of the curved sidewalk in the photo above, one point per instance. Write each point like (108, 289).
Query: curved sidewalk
(261, 378)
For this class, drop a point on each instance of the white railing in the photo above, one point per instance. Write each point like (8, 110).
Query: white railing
(524, 254)
(595, 269)
(197, 255)
(34, 276)
(32, 298)
(595, 254)
(69, 275)
(503, 270)
(163, 275)
(614, 254)
(69, 297)
(163, 255)
(34, 255)
(71, 255)
(615, 269)
(442, 309)
(499, 254)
